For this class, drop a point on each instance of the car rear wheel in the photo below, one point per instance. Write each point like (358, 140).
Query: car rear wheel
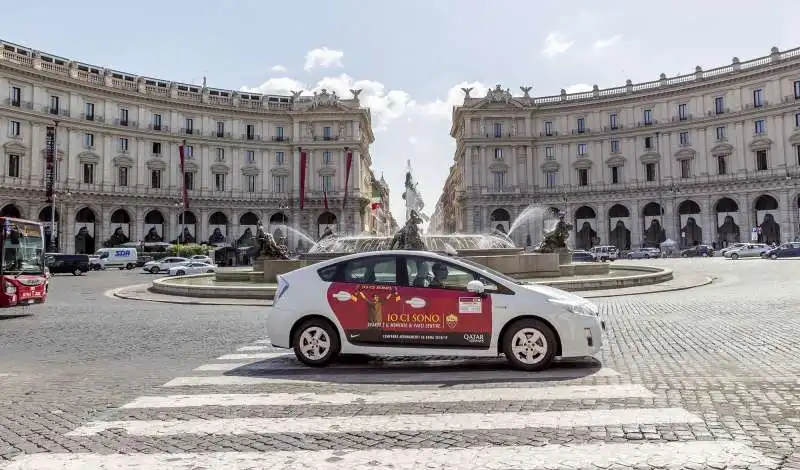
(129, 266)
(630, 256)
(773, 256)
(734, 256)
(316, 343)
(529, 345)
(646, 256)
(180, 273)
(684, 255)
(210, 271)
(154, 270)
(77, 272)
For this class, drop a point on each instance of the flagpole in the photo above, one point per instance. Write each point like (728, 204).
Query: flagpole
(183, 191)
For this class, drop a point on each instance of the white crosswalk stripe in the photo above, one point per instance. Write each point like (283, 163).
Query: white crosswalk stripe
(315, 405)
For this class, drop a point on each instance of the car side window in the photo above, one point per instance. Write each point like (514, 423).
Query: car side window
(328, 273)
(378, 270)
(436, 274)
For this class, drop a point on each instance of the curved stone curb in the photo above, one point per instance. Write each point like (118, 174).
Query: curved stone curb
(168, 286)
(652, 275)
(142, 292)
(646, 289)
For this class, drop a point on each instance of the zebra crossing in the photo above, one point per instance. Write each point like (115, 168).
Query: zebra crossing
(442, 413)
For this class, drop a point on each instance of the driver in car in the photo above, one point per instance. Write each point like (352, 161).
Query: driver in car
(439, 275)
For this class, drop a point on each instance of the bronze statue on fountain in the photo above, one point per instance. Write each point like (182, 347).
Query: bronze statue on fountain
(555, 240)
(409, 237)
(265, 247)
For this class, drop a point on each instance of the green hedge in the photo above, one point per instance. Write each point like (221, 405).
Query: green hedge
(188, 250)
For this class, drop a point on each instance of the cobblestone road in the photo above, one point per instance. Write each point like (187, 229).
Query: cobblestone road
(703, 378)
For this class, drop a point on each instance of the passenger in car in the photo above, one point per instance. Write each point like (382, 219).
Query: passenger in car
(439, 275)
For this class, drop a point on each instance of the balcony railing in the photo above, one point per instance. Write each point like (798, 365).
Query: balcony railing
(281, 139)
(251, 137)
(326, 138)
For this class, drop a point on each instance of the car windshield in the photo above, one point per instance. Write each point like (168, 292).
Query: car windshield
(23, 249)
(481, 268)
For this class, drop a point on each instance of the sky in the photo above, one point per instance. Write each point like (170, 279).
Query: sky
(411, 58)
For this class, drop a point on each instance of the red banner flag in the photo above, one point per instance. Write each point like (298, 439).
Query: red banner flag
(303, 157)
(181, 150)
(347, 176)
(325, 195)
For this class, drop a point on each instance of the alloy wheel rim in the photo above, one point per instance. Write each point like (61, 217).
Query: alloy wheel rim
(315, 343)
(529, 346)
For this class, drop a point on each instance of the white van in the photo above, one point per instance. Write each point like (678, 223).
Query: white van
(604, 253)
(122, 258)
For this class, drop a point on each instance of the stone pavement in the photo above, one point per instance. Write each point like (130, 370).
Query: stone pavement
(700, 378)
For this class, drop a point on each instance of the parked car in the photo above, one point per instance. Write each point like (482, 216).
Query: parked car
(734, 246)
(202, 259)
(750, 250)
(192, 267)
(582, 255)
(604, 253)
(419, 303)
(787, 250)
(163, 264)
(643, 253)
(141, 260)
(698, 250)
(59, 263)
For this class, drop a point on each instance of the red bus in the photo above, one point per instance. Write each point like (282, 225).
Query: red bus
(23, 275)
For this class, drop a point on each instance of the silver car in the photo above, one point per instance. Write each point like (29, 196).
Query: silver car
(644, 253)
(749, 250)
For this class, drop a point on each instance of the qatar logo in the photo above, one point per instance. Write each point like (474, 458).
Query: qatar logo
(343, 296)
(451, 320)
(416, 302)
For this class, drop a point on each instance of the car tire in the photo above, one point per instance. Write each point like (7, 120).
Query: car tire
(630, 256)
(684, 255)
(322, 354)
(129, 266)
(646, 256)
(77, 272)
(210, 271)
(773, 256)
(518, 332)
(154, 270)
(734, 256)
(180, 273)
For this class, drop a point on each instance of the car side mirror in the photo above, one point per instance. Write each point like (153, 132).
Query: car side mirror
(476, 287)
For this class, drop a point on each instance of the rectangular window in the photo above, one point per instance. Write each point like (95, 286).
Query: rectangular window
(758, 98)
(614, 146)
(189, 126)
(549, 153)
(551, 178)
(581, 149)
(122, 176)
(16, 96)
(250, 132)
(156, 122)
(614, 175)
(648, 117)
(123, 117)
(719, 105)
(797, 90)
(648, 143)
(759, 127)
(14, 166)
(548, 128)
(220, 129)
(55, 104)
(682, 114)
(123, 144)
(581, 125)
(279, 184)
(220, 154)
(498, 129)
(684, 138)
(250, 181)
(279, 133)
(13, 129)
(650, 171)
(797, 120)
(761, 160)
(279, 158)
(219, 181)
(326, 133)
(327, 183)
(188, 151)
(250, 156)
(498, 154)
(797, 149)
(88, 109)
(188, 180)
(498, 179)
(720, 131)
(326, 158)
(155, 179)
(583, 177)
(612, 121)
(88, 141)
(88, 173)
(157, 148)
(686, 169)
(722, 165)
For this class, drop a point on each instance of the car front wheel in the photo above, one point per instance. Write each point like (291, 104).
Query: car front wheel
(734, 256)
(180, 273)
(529, 345)
(154, 270)
(773, 256)
(316, 343)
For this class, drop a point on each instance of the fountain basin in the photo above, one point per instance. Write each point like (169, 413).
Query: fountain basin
(621, 276)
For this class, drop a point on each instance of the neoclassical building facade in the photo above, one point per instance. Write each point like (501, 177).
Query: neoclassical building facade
(708, 157)
(118, 167)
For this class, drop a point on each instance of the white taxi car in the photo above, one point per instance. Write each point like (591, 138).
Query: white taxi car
(192, 267)
(417, 303)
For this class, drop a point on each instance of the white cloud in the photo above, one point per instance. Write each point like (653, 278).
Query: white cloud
(556, 43)
(606, 43)
(454, 97)
(278, 69)
(323, 57)
(579, 88)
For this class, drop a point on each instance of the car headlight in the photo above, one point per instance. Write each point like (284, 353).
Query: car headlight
(579, 308)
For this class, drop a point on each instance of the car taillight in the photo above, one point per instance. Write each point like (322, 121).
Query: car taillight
(283, 286)
(9, 288)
